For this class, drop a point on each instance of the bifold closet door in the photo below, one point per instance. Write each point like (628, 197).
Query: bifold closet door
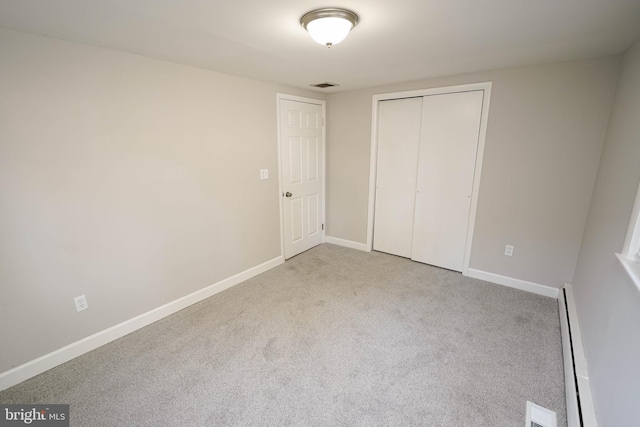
(446, 167)
(399, 123)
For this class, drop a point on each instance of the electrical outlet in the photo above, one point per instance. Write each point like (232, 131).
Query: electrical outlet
(508, 251)
(81, 303)
(264, 173)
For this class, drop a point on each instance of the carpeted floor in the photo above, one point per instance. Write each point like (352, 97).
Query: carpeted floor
(332, 337)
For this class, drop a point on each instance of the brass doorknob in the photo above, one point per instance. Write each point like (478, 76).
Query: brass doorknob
(287, 194)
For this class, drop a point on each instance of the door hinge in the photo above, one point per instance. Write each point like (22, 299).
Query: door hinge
(323, 226)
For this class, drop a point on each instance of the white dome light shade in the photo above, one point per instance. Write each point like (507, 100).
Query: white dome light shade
(329, 31)
(329, 26)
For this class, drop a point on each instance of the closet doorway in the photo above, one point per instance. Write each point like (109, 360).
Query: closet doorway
(426, 161)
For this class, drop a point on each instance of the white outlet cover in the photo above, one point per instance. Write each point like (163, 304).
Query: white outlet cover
(264, 173)
(81, 303)
(508, 251)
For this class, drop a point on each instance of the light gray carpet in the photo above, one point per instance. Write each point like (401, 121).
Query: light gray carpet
(332, 337)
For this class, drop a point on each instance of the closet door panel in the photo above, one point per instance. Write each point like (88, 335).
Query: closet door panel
(446, 166)
(399, 123)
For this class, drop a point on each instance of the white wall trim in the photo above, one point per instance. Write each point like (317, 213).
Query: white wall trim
(535, 288)
(482, 134)
(347, 243)
(323, 104)
(573, 413)
(632, 268)
(631, 248)
(44, 363)
(577, 388)
(486, 87)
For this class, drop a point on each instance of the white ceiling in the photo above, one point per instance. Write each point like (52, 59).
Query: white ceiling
(395, 41)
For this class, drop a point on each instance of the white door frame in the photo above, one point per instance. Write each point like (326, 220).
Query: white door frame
(323, 104)
(486, 87)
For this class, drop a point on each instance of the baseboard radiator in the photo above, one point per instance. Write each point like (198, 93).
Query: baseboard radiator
(580, 409)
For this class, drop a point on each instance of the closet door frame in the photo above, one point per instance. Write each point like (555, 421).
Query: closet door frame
(486, 87)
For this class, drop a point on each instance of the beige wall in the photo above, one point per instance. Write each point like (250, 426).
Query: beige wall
(130, 180)
(544, 138)
(608, 302)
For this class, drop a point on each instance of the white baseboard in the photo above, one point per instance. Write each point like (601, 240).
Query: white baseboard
(536, 288)
(577, 388)
(346, 243)
(44, 363)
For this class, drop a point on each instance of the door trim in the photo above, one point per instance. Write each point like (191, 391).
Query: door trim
(486, 87)
(323, 104)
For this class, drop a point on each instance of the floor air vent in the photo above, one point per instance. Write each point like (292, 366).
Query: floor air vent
(325, 85)
(537, 416)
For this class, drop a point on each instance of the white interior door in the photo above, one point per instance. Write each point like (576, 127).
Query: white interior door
(446, 166)
(301, 148)
(398, 146)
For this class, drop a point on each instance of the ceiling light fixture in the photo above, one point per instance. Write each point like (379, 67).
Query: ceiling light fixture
(329, 26)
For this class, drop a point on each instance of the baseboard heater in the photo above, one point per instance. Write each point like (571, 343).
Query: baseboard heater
(580, 409)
